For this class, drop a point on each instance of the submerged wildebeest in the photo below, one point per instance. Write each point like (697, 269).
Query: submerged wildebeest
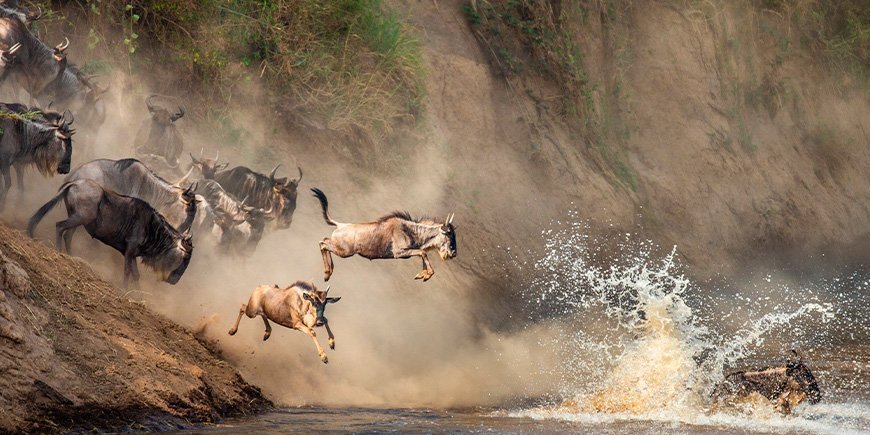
(785, 386)
(300, 306)
(45, 144)
(158, 138)
(44, 73)
(238, 226)
(127, 224)
(396, 235)
(131, 177)
(278, 195)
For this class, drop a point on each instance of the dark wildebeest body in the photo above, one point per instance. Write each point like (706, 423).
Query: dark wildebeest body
(158, 138)
(300, 306)
(785, 386)
(127, 224)
(44, 73)
(240, 226)
(47, 118)
(132, 178)
(263, 191)
(395, 235)
(38, 142)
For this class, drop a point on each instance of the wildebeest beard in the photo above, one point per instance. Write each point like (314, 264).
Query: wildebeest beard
(163, 238)
(46, 148)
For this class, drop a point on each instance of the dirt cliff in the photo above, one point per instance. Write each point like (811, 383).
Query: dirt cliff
(75, 353)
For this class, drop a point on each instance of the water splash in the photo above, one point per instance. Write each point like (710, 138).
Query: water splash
(648, 344)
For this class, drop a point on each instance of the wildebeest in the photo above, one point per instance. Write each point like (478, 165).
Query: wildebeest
(47, 118)
(205, 167)
(263, 191)
(45, 75)
(300, 306)
(127, 224)
(31, 140)
(131, 177)
(239, 226)
(158, 138)
(396, 235)
(785, 386)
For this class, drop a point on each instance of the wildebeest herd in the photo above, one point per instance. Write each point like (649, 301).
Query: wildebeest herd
(128, 204)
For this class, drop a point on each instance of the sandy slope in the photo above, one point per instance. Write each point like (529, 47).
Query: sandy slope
(75, 353)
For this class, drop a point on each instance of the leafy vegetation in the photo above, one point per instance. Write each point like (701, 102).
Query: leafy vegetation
(347, 65)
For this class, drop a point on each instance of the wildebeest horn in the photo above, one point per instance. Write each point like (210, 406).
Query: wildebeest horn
(14, 48)
(217, 156)
(149, 103)
(33, 16)
(272, 174)
(68, 120)
(9, 55)
(178, 114)
(62, 46)
(327, 289)
(244, 200)
(183, 179)
(296, 181)
(192, 159)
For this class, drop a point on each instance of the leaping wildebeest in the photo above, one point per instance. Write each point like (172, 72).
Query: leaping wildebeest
(396, 235)
(33, 141)
(132, 178)
(127, 224)
(786, 386)
(263, 191)
(158, 137)
(300, 306)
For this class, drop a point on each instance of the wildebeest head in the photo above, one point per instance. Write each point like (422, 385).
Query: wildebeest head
(56, 153)
(283, 195)
(446, 239)
(318, 301)
(804, 378)
(179, 258)
(207, 167)
(161, 115)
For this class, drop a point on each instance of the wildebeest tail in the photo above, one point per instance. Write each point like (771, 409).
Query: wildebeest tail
(325, 205)
(34, 221)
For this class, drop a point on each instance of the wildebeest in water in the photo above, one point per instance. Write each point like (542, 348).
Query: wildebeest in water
(127, 224)
(786, 386)
(300, 306)
(45, 144)
(395, 235)
(263, 191)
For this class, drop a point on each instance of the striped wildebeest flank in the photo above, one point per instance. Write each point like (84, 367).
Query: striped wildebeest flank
(158, 139)
(132, 178)
(31, 138)
(43, 72)
(238, 226)
(127, 224)
(301, 306)
(786, 386)
(396, 235)
(278, 195)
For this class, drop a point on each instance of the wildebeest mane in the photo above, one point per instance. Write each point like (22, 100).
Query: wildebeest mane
(34, 140)
(304, 285)
(154, 187)
(398, 214)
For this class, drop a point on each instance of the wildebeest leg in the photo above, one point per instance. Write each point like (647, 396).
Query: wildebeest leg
(235, 327)
(64, 227)
(67, 239)
(427, 267)
(268, 327)
(325, 252)
(130, 269)
(7, 184)
(331, 340)
(19, 174)
(313, 336)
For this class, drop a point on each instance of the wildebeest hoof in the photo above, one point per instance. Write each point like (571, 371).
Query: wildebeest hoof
(324, 359)
(231, 332)
(332, 344)
(326, 276)
(266, 336)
